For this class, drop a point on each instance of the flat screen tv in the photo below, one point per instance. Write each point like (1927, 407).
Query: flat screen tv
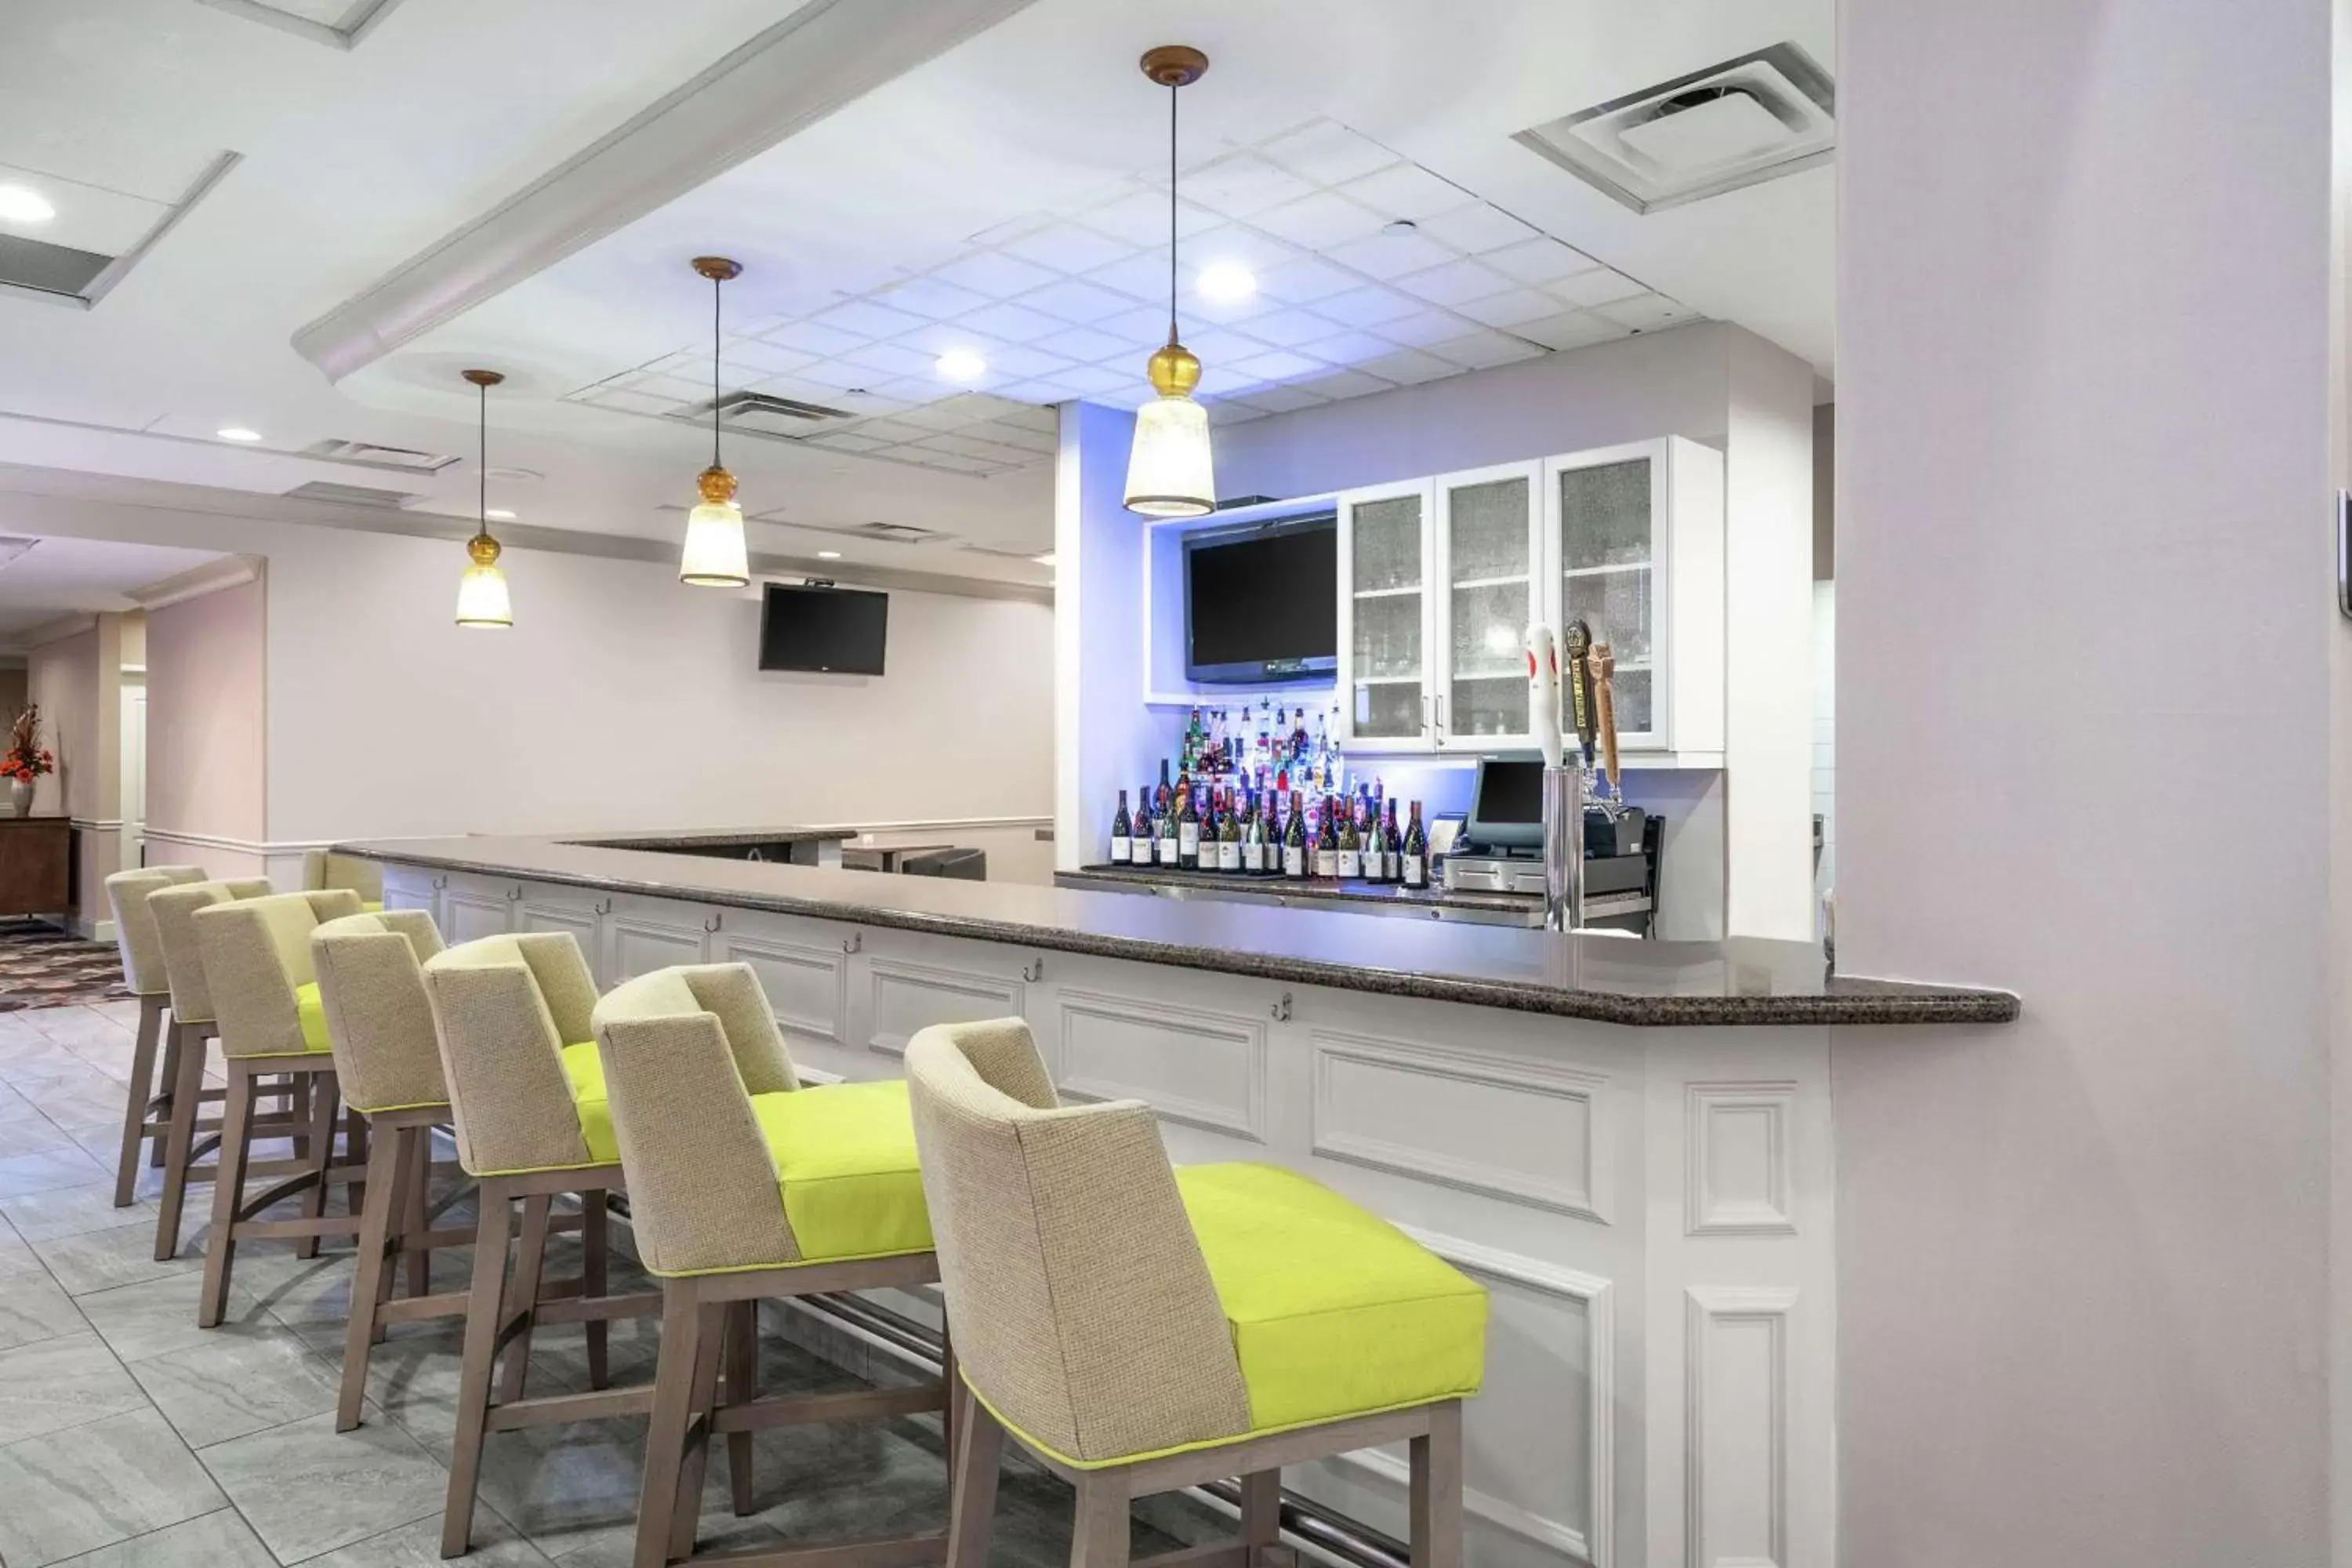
(1261, 602)
(834, 631)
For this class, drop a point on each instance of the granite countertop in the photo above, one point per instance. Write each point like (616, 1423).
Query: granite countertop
(1743, 981)
(1283, 887)
(719, 839)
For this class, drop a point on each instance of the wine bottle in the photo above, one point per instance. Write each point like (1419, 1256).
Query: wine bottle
(1391, 848)
(1350, 844)
(1159, 802)
(1375, 863)
(1168, 839)
(1415, 853)
(1229, 840)
(1326, 845)
(1253, 856)
(1122, 834)
(1294, 843)
(1188, 829)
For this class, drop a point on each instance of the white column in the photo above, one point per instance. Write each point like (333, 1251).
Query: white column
(1098, 714)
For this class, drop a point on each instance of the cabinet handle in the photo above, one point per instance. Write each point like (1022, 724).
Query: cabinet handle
(854, 943)
(1441, 715)
(603, 906)
(1034, 972)
(1281, 1009)
(712, 923)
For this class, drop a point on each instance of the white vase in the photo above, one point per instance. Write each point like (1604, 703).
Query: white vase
(20, 798)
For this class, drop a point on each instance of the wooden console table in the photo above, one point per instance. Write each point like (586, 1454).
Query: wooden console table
(36, 864)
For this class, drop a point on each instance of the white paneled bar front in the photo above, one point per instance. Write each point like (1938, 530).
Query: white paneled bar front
(1649, 1208)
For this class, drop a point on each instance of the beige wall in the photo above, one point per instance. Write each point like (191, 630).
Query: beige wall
(134, 639)
(77, 681)
(12, 694)
(208, 759)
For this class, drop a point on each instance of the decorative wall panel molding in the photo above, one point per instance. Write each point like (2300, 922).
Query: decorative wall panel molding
(641, 945)
(1736, 1136)
(807, 986)
(465, 916)
(909, 997)
(1736, 1427)
(1532, 1134)
(583, 922)
(1203, 1068)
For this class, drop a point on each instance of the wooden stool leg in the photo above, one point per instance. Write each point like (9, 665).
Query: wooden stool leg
(415, 1199)
(367, 1294)
(187, 1088)
(485, 1309)
(320, 1152)
(529, 1260)
(142, 1090)
(228, 1192)
(972, 1494)
(1436, 1499)
(594, 1269)
(709, 1334)
(951, 1415)
(743, 1388)
(1098, 1532)
(666, 1431)
(166, 1082)
(1261, 1513)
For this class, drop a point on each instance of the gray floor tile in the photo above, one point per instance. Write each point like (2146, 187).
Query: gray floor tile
(69, 1024)
(235, 1382)
(24, 1131)
(62, 1382)
(63, 1164)
(157, 1316)
(418, 1545)
(76, 1490)
(219, 1540)
(306, 1489)
(34, 1308)
(102, 1259)
(72, 1210)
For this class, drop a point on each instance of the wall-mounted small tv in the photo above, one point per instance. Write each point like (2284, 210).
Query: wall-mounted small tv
(834, 631)
(1260, 602)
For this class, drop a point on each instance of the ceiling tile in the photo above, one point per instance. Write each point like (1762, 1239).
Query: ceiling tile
(1067, 247)
(1320, 221)
(1392, 255)
(765, 358)
(1020, 364)
(838, 374)
(1214, 345)
(889, 360)
(1598, 287)
(1013, 323)
(1086, 344)
(1144, 275)
(995, 274)
(1574, 329)
(1539, 260)
(1286, 328)
(1347, 348)
(1141, 219)
(1241, 185)
(1346, 383)
(1303, 281)
(1145, 326)
(1014, 435)
(1646, 312)
(923, 458)
(1285, 399)
(844, 441)
(936, 337)
(1040, 420)
(691, 364)
(1423, 328)
(1368, 306)
(1481, 350)
(1280, 365)
(1076, 301)
(1093, 381)
(675, 389)
(1407, 191)
(816, 339)
(1046, 391)
(931, 298)
(1453, 282)
(966, 447)
(894, 431)
(1327, 154)
(1511, 307)
(874, 320)
(1480, 227)
(1129, 394)
(1409, 367)
(1225, 313)
(1232, 411)
(867, 403)
(627, 402)
(1233, 244)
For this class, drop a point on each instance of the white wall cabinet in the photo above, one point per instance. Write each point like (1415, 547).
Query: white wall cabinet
(1439, 577)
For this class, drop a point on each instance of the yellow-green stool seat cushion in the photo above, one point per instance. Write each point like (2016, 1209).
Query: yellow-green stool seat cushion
(311, 1015)
(844, 1156)
(1334, 1312)
(367, 908)
(583, 1069)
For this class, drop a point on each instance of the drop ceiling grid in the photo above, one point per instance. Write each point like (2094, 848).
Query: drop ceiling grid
(1068, 304)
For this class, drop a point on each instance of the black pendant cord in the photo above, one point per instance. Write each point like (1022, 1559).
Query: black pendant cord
(1172, 212)
(714, 372)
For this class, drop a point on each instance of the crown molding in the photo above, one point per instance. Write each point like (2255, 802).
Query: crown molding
(57, 630)
(228, 572)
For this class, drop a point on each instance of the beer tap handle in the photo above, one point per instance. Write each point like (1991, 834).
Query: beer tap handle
(1603, 665)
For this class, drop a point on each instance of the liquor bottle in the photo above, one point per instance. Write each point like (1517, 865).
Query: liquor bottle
(1294, 843)
(1229, 840)
(1391, 848)
(1159, 802)
(1352, 844)
(1122, 834)
(1188, 830)
(1167, 837)
(1326, 845)
(1415, 853)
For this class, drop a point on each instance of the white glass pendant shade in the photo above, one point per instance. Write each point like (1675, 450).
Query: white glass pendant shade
(1169, 471)
(482, 601)
(715, 555)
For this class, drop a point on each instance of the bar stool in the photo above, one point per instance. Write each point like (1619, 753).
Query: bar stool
(146, 1113)
(511, 1015)
(323, 869)
(193, 1024)
(1140, 1329)
(257, 956)
(380, 1028)
(745, 1186)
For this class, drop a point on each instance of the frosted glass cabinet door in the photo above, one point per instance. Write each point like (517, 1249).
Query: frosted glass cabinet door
(1605, 546)
(1384, 613)
(1489, 550)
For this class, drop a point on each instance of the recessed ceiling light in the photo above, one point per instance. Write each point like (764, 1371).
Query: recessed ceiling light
(237, 433)
(1227, 283)
(828, 555)
(499, 514)
(21, 203)
(961, 365)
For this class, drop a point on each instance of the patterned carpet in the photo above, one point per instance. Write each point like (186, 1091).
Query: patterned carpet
(41, 966)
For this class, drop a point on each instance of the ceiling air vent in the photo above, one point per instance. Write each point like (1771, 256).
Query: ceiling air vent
(369, 455)
(763, 415)
(1739, 123)
(349, 495)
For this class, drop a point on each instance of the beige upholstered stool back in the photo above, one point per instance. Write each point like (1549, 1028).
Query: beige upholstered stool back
(684, 1050)
(175, 911)
(371, 990)
(503, 1009)
(323, 869)
(257, 952)
(1083, 1312)
(134, 924)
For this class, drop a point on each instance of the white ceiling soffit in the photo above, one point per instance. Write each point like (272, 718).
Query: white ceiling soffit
(228, 572)
(1757, 118)
(106, 232)
(337, 23)
(827, 54)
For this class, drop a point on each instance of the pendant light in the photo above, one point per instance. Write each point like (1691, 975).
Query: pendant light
(714, 556)
(482, 601)
(1169, 472)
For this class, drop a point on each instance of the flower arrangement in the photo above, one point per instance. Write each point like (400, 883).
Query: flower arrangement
(27, 758)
